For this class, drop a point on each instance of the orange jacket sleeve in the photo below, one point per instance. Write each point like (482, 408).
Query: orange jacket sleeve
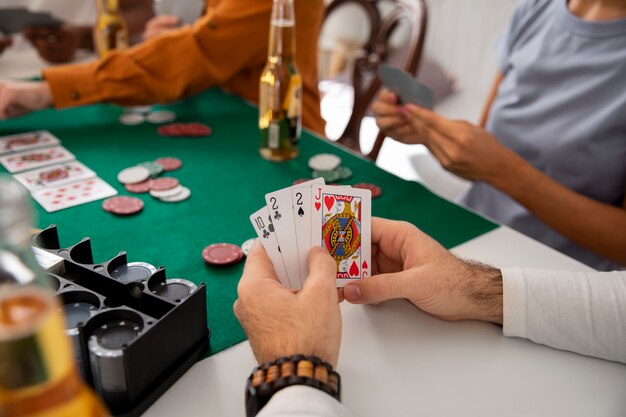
(227, 47)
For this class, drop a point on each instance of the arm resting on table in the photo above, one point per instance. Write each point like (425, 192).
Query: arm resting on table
(583, 312)
(303, 401)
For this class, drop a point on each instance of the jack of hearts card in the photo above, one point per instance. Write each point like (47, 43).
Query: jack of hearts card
(341, 223)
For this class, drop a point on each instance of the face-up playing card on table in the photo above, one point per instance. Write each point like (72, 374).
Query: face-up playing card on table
(280, 206)
(74, 194)
(262, 223)
(408, 89)
(341, 223)
(23, 161)
(54, 175)
(29, 140)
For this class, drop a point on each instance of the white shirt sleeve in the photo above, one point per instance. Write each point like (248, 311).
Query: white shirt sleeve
(303, 401)
(583, 312)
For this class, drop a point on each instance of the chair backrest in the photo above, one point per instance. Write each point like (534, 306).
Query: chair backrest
(375, 51)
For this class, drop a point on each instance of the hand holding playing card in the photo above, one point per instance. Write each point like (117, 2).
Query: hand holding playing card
(392, 120)
(281, 322)
(409, 264)
(461, 147)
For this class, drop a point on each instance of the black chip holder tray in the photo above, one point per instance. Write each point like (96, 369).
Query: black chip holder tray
(173, 334)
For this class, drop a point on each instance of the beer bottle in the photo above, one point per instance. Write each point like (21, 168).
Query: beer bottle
(38, 377)
(111, 31)
(280, 96)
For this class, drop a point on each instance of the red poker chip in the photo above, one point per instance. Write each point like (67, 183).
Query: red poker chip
(375, 189)
(222, 254)
(169, 163)
(164, 183)
(300, 181)
(122, 205)
(139, 188)
(185, 130)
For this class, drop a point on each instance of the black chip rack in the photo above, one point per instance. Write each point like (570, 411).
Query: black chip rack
(174, 333)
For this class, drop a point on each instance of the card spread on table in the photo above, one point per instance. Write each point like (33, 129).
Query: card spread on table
(36, 158)
(408, 89)
(74, 194)
(54, 175)
(297, 219)
(29, 140)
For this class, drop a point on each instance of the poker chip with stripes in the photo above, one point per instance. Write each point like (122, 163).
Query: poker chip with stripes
(169, 164)
(139, 188)
(375, 189)
(161, 116)
(166, 193)
(222, 254)
(183, 195)
(154, 168)
(122, 205)
(185, 130)
(324, 162)
(164, 183)
(246, 246)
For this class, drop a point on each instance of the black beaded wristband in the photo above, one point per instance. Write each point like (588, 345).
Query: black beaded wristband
(269, 378)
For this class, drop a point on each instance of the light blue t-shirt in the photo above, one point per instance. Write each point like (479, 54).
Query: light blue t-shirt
(562, 107)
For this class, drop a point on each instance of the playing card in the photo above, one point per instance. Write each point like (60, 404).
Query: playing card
(280, 206)
(262, 223)
(29, 140)
(74, 194)
(408, 89)
(23, 161)
(54, 175)
(341, 223)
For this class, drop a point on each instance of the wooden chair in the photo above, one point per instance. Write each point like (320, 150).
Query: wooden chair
(375, 51)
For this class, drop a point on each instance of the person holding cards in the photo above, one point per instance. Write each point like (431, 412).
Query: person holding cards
(579, 312)
(554, 147)
(181, 63)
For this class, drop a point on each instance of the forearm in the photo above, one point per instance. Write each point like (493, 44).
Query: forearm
(596, 226)
(575, 311)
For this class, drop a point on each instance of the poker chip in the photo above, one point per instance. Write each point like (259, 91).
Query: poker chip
(184, 194)
(122, 205)
(138, 188)
(175, 289)
(300, 181)
(132, 119)
(246, 246)
(169, 163)
(324, 162)
(375, 189)
(133, 175)
(185, 130)
(329, 176)
(133, 272)
(222, 254)
(154, 168)
(164, 183)
(344, 173)
(167, 193)
(161, 116)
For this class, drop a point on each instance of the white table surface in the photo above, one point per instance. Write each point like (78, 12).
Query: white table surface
(397, 361)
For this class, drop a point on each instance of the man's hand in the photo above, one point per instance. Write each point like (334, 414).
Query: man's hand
(19, 98)
(161, 24)
(55, 45)
(281, 322)
(409, 264)
(5, 42)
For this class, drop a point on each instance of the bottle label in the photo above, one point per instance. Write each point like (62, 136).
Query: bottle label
(273, 136)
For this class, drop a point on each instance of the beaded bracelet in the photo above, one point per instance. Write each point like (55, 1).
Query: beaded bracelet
(269, 378)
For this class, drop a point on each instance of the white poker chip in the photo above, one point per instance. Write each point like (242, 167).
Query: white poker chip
(246, 246)
(132, 119)
(167, 193)
(161, 116)
(133, 175)
(324, 162)
(183, 195)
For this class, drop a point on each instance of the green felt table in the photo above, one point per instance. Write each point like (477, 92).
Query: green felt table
(228, 181)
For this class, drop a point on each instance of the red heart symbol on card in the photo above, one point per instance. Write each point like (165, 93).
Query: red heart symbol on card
(329, 201)
(364, 265)
(318, 205)
(354, 270)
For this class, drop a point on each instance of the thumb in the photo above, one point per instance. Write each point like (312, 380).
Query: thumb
(322, 272)
(378, 288)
